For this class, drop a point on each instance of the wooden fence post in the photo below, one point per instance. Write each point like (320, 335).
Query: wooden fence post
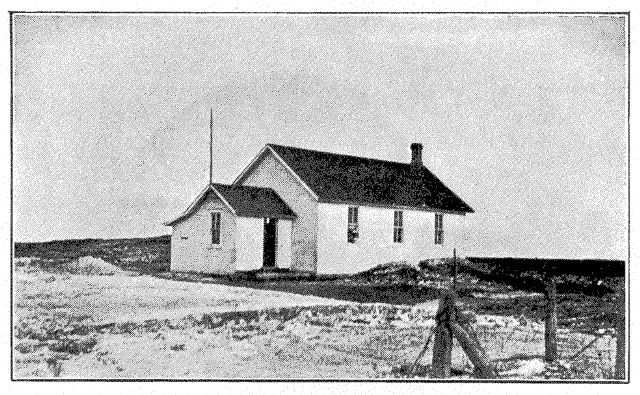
(455, 271)
(551, 321)
(481, 363)
(452, 322)
(621, 333)
(443, 339)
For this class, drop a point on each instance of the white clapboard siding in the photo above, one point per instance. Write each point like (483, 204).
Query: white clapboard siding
(191, 244)
(375, 244)
(269, 172)
(249, 243)
(283, 255)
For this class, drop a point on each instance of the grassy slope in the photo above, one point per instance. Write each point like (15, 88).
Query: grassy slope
(146, 255)
(56, 316)
(133, 326)
(587, 300)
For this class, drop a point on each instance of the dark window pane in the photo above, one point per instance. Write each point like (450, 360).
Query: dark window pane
(352, 224)
(438, 232)
(352, 234)
(215, 228)
(397, 226)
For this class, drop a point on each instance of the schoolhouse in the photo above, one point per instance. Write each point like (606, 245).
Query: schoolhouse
(319, 212)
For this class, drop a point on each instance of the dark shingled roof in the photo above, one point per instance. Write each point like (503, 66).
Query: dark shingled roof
(352, 179)
(246, 202)
(254, 201)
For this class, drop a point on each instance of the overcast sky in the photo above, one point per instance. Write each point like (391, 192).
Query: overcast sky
(524, 117)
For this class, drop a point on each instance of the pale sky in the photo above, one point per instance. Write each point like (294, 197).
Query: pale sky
(524, 117)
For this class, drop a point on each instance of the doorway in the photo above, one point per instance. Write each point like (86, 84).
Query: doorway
(270, 242)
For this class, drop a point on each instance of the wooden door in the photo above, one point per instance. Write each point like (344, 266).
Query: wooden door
(270, 242)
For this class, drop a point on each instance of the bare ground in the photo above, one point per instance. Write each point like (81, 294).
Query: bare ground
(137, 326)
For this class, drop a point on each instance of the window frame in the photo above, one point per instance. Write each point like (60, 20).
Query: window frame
(216, 229)
(353, 230)
(438, 237)
(398, 226)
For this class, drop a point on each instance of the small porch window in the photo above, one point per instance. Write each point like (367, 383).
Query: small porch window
(398, 235)
(352, 225)
(439, 230)
(215, 228)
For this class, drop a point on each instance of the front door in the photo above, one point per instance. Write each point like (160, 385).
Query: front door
(270, 242)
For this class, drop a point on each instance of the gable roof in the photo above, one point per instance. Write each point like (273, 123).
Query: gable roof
(254, 201)
(243, 201)
(340, 178)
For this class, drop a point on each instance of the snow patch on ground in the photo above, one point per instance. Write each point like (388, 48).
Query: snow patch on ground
(91, 326)
(526, 369)
(90, 266)
(136, 298)
(507, 295)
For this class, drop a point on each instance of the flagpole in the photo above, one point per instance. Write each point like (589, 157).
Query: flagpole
(211, 148)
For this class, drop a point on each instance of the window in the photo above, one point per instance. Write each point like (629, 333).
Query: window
(215, 228)
(397, 227)
(439, 231)
(352, 225)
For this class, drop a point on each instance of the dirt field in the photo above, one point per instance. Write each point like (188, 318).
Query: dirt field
(127, 325)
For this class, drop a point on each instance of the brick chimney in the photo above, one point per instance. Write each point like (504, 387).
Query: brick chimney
(416, 155)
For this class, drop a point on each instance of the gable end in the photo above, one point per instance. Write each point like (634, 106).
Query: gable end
(260, 157)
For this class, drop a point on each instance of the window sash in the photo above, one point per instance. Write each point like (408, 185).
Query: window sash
(398, 230)
(439, 230)
(397, 235)
(352, 224)
(215, 228)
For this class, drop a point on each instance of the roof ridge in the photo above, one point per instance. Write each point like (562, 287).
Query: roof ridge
(239, 186)
(347, 155)
(309, 164)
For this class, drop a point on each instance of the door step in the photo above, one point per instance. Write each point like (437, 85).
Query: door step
(282, 274)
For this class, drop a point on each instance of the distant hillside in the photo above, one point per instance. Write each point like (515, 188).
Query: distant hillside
(151, 254)
(587, 276)
(593, 267)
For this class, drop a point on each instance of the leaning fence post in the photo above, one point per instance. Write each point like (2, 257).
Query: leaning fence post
(551, 321)
(621, 333)
(443, 339)
(476, 354)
